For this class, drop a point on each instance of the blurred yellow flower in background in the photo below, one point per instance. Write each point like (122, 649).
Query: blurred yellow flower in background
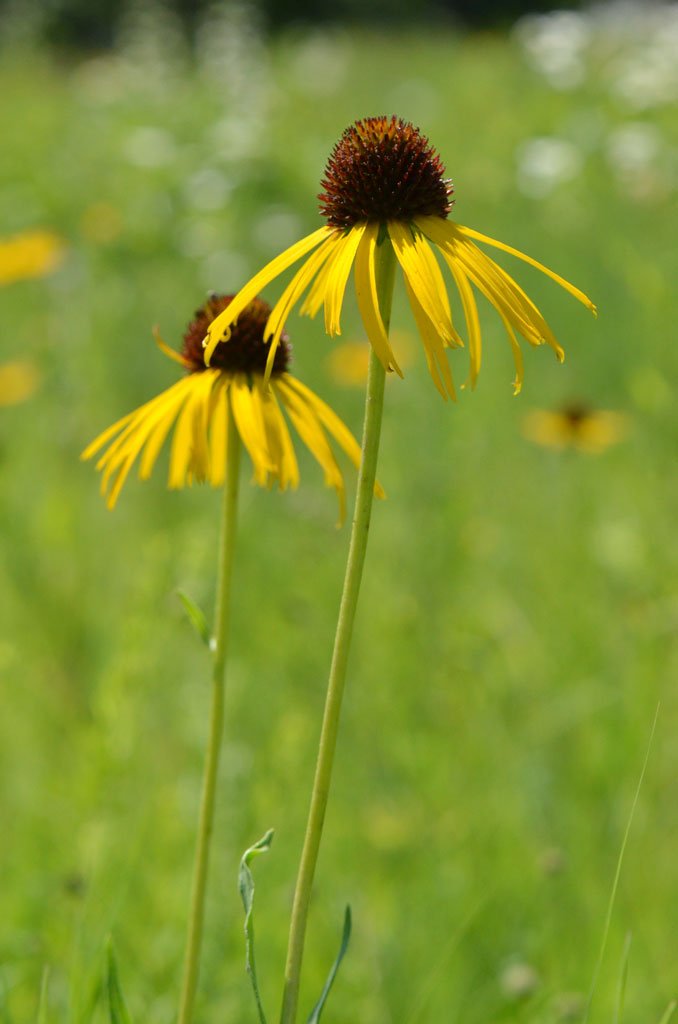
(576, 425)
(29, 254)
(347, 362)
(19, 380)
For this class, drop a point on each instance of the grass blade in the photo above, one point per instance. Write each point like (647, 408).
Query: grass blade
(668, 1012)
(246, 889)
(44, 992)
(623, 975)
(116, 1004)
(617, 874)
(345, 936)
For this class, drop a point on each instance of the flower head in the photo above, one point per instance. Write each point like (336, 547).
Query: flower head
(384, 184)
(198, 408)
(575, 425)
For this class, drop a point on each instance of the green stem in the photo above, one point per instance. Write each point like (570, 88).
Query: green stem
(374, 400)
(220, 643)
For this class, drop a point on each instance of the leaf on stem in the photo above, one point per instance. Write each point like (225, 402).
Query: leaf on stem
(246, 889)
(116, 1004)
(346, 935)
(196, 616)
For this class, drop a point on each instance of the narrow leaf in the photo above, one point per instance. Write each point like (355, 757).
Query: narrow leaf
(196, 616)
(617, 874)
(668, 1012)
(346, 935)
(116, 1004)
(44, 989)
(246, 889)
(623, 975)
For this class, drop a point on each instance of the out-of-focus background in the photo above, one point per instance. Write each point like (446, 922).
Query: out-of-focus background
(517, 626)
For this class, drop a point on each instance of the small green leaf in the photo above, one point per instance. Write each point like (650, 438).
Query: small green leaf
(668, 1012)
(42, 1002)
(346, 935)
(246, 889)
(196, 616)
(116, 1004)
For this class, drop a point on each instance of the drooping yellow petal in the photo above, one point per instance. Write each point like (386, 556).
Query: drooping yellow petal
(470, 233)
(338, 276)
(164, 347)
(433, 347)
(250, 426)
(219, 431)
(417, 260)
(329, 419)
(219, 326)
(368, 300)
(471, 314)
(278, 438)
(291, 295)
(311, 432)
(316, 295)
(189, 448)
(517, 355)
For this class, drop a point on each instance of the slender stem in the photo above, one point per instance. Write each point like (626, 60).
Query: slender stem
(220, 643)
(374, 400)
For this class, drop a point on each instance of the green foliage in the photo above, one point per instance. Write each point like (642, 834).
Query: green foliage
(116, 1004)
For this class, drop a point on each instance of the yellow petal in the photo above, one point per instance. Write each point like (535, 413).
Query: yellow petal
(293, 292)
(416, 259)
(311, 432)
(471, 314)
(338, 276)
(517, 355)
(219, 432)
(470, 233)
(219, 326)
(250, 427)
(368, 301)
(433, 346)
(329, 419)
(176, 356)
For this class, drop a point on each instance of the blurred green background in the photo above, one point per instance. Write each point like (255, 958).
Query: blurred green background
(518, 618)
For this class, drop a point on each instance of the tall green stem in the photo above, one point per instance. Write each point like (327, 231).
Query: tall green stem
(374, 400)
(205, 824)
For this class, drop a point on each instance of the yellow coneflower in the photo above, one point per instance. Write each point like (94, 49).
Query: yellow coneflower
(199, 403)
(385, 184)
(29, 254)
(575, 426)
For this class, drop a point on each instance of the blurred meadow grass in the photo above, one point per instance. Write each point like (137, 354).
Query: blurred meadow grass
(517, 622)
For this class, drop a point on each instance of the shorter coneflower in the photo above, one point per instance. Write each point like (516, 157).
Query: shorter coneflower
(385, 185)
(575, 425)
(199, 406)
(29, 254)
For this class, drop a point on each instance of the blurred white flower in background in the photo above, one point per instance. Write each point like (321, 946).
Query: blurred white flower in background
(543, 163)
(555, 45)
